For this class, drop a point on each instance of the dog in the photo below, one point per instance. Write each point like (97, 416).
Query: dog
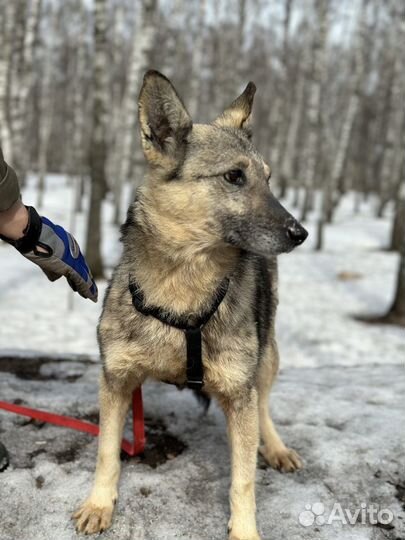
(204, 224)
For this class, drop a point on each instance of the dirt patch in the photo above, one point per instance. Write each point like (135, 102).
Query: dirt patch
(71, 452)
(30, 368)
(93, 418)
(66, 455)
(161, 446)
(399, 492)
(39, 481)
(31, 457)
(19, 401)
(22, 421)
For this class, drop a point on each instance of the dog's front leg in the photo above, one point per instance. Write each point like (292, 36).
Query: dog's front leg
(96, 512)
(243, 430)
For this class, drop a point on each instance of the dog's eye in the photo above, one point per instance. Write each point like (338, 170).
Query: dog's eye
(235, 177)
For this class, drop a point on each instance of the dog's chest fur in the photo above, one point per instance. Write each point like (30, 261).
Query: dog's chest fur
(138, 346)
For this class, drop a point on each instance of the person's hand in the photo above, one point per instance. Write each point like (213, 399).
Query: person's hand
(55, 251)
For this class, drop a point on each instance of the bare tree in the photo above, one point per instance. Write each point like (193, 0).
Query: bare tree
(16, 75)
(331, 181)
(291, 144)
(117, 56)
(314, 105)
(396, 314)
(279, 122)
(46, 110)
(198, 51)
(7, 14)
(143, 41)
(393, 143)
(24, 79)
(79, 109)
(398, 224)
(98, 147)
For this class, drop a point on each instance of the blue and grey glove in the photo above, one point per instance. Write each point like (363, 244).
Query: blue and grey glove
(61, 255)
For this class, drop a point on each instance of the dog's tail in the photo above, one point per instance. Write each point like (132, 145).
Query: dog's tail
(203, 399)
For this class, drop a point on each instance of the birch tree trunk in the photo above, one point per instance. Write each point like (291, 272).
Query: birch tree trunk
(79, 112)
(174, 46)
(221, 86)
(382, 106)
(46, 106)
(291, 145)
(390, 190)
(314, 105)
(45, 127)
(7, 14)
(16, 76)
(143, 40)
(337, 178)
(98, 147)
(237, 72)
(282, 127)
(330, 183)
(198, 50)
(25, 84)
(393, 143)
(229, 52)
(397, 312)
(398, 224)
(117, 53)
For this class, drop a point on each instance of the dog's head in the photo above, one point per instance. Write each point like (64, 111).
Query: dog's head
(208, 183)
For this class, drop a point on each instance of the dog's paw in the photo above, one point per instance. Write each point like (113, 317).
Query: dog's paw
(283, 459)
(241, 535)
(92, 519)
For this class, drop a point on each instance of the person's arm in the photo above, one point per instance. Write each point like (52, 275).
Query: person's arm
(9, 188)
(48, 245)
(14, 220)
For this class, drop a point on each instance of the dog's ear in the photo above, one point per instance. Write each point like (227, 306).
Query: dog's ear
(237, 115)
(164, 120)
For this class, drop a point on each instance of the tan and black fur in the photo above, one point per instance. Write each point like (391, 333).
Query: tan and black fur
(205, 213)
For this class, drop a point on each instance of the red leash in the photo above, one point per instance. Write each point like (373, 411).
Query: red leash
(138, 428)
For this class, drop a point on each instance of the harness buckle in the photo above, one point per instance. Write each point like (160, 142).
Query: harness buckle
(195, 384)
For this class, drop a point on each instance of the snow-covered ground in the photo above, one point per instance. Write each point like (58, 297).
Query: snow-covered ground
(347, 425)
(338, 402)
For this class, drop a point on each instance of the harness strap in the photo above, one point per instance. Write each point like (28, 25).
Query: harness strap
(192, 332)
(195, 369)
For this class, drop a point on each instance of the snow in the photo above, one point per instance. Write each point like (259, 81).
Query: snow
(338, 400)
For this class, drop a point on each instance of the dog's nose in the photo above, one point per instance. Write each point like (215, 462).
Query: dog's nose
(296, 233)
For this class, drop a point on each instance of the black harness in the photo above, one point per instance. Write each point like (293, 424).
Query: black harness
(195, 368)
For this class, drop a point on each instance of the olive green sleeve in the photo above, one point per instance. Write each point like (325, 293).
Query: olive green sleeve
(9, 188)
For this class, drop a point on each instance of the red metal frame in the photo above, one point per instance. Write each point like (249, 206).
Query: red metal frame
(138, 427)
